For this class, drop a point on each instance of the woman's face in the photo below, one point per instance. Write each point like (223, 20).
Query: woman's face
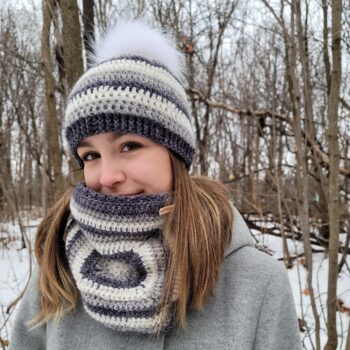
(125, 164)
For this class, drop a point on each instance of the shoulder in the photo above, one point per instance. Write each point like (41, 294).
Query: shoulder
(242, 258)
(251, 257)
(250, 267)
(249, 273)
(261, 285)
(31, 298)
(22, 337)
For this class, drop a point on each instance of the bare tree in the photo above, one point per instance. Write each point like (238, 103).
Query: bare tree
(89, 28)
(73, 57)
(54, 161)
(333, 194)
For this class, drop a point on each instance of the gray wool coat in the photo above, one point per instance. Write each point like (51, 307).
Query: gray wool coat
(252, 308)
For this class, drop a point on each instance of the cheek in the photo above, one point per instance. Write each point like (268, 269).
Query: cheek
(156, 172)
(167, 175)
(91, 178)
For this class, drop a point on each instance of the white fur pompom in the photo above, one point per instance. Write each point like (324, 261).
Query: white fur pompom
(136, 37)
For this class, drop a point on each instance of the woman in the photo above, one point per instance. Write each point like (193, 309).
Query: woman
(140, 255)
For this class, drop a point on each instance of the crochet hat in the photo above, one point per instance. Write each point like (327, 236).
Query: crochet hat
(135, 87)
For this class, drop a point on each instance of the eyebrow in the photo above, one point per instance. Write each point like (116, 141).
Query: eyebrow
(85, 143)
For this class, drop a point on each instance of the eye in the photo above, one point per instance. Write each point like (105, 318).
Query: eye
(130, 146)
(86, 157)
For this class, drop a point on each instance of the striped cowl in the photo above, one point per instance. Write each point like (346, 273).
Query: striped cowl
(131, 94)
(117, 258)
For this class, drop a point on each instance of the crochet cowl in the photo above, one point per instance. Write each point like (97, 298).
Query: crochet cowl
(117, 258)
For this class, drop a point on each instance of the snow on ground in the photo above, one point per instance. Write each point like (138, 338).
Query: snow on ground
(14, 270)
(14, 273)
(298, 276)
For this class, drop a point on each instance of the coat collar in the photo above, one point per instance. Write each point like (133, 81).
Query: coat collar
(241, 235)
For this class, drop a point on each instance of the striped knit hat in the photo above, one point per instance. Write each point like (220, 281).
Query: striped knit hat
(135, 87)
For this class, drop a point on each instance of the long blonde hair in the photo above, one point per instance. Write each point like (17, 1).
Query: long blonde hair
(196, 232)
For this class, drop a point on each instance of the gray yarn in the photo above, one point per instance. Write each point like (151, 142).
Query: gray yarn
(118, 260)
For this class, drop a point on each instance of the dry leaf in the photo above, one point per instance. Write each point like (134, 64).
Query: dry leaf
(4, 342)
(306, 291)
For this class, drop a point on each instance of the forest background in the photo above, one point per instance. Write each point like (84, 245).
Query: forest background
(268, 86)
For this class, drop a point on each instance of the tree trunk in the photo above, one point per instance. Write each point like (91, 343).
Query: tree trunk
(347, 346)
(333, 187)
(300, 147)
(89, 29)
(73, 56)
(301, 173)
(52, 123)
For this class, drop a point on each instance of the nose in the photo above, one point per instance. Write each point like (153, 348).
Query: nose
(111, 173)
